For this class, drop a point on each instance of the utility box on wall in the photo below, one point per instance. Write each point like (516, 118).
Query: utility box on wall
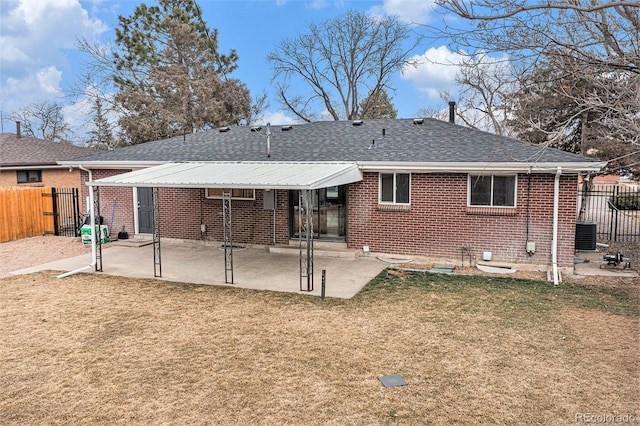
(269, 200)
(585, 236)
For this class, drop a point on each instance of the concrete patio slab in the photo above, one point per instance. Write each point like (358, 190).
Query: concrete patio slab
(253, 268)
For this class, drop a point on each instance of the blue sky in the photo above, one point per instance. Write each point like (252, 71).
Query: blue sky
(38, 58)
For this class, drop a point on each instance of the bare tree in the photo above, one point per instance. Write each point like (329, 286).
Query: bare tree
(595, 33)
(341, 61)
(43, 120)
(486, 86)
(577, 65)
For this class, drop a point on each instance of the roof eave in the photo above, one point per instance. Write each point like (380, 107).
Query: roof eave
(481, 167)
(111, 164)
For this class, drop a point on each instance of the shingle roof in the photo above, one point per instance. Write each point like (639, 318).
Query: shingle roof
(28, 151)
(401, 140)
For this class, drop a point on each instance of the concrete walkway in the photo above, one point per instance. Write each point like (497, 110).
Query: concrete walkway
(254, 268)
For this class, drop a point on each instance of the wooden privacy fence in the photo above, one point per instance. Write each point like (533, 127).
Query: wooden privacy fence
(25, 212)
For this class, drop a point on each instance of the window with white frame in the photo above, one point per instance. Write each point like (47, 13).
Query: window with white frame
(236, 193)
(395, 188)
(492, 191)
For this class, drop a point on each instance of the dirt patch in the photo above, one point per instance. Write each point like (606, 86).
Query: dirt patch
(33, 251)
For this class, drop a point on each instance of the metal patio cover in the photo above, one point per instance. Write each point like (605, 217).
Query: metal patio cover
(245, 175)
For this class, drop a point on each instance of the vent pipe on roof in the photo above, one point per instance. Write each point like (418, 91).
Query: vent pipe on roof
(268, 140)
(452, 111)
(18, 129)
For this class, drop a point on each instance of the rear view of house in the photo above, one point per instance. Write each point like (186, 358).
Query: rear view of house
(418, 187)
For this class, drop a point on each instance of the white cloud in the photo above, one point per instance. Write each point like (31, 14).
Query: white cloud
(49, 80)
(38, 31)
(276, 118)
(36, 38)
(42, 85)
(408, 11)
(435, 70)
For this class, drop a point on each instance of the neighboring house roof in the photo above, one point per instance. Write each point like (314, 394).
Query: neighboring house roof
(27, 151)
(373, 144)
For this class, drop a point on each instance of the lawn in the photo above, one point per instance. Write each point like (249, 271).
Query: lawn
(108, 350)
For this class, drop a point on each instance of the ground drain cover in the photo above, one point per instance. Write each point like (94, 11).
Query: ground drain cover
(392, 380)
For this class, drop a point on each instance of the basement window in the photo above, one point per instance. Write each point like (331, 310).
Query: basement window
(491, 191)
(29, 176)
(394, 188)
(236, 194)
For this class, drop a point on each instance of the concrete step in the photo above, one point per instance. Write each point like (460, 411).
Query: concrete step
(320, 248)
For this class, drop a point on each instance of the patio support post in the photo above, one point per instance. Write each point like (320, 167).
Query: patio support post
(305, 236)
(228, 238)
(157, 258)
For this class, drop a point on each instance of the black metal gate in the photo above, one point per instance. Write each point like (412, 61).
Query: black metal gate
(614, 208)
(66, 212)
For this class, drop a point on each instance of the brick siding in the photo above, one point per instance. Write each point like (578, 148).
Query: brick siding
(437, 224)
(58, 178)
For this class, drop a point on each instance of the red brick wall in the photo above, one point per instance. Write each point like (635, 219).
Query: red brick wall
(121, 197)
(438, 223)
(183, 210)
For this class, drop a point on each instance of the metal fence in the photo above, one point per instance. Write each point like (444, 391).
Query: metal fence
(66, 211)
(614, 208)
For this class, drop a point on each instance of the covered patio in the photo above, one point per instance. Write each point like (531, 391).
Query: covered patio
(304, 177)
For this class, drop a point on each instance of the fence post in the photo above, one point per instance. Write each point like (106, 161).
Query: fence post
(56, 216)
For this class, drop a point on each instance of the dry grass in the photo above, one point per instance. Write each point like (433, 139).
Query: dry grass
(109, 350)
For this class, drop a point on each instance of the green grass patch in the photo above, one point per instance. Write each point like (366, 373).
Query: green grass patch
(506, 293)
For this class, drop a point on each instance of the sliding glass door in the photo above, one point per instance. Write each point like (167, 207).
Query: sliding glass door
(329, 213)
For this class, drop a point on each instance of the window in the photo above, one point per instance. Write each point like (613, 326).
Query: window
(395, 188)
(29, 176)
(492, 191)
(236, 194)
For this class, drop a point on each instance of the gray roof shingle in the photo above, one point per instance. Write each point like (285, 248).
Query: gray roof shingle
(401, 140)
(27, 151)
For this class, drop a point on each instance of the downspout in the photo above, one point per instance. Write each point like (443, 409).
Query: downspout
(554, 240)
(92, 218)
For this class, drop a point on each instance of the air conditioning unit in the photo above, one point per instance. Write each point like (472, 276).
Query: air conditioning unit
(586, 236)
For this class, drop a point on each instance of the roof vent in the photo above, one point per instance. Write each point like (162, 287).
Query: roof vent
(256, 128)
(357, 122)
(224, 129)
(286, 128)
(418, 121)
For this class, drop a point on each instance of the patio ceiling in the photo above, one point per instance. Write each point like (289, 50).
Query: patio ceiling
(246, 175)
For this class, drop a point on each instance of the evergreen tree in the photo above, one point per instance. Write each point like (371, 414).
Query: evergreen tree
(171, 78)
(377, 105)
(101, 135)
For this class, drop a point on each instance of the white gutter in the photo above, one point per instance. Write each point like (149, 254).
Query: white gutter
(554, 239)
(479, 167)
(92, 218)
(114, 164)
